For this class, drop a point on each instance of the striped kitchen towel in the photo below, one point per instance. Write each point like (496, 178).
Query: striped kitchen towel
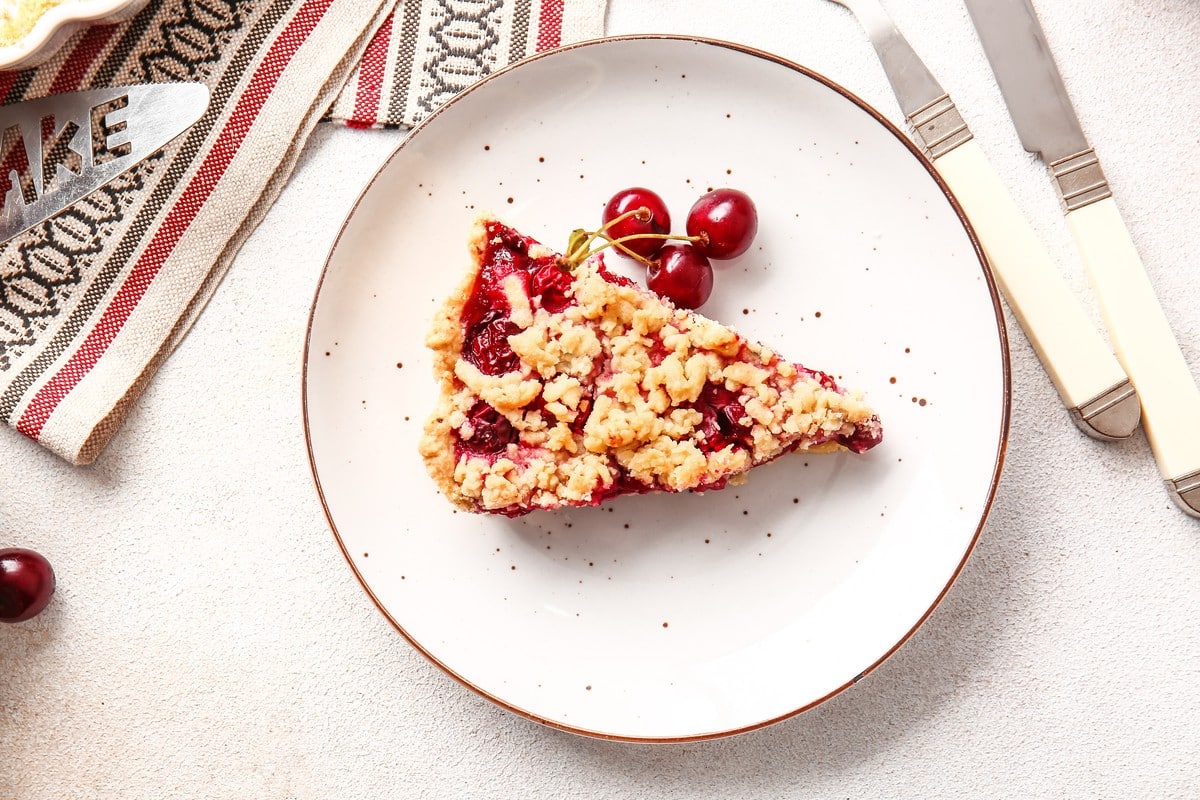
(427, 51)
(93, 299)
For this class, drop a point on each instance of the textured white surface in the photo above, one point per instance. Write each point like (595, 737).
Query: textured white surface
(208, 639)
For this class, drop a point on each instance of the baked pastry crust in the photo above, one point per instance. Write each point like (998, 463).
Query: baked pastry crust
(566, 387)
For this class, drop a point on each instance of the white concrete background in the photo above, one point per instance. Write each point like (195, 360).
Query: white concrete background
(208, 640)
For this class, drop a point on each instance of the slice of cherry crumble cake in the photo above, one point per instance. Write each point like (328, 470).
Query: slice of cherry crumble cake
(568, 386)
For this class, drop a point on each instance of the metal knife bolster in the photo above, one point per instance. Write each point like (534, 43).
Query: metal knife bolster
(1113, 414)
(1079, 179)
(939, 127)
(927, 108)
(1185, 492)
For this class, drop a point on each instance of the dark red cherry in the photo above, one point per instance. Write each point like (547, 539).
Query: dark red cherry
(550, 284)
(26, 584)
(721, 418)
(682, 274)
(726, 222)
(659, 223)
(487, 344)
(491, 433)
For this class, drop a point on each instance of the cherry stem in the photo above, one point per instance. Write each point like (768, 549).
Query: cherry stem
(584, 249)
(641, 213)
(620, 243)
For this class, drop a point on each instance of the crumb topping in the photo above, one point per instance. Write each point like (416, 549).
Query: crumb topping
(613, 391)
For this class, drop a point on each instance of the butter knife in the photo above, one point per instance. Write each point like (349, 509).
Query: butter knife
(1037, 100)
(1088, 378)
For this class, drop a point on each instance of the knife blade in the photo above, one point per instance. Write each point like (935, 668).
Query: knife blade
(1093, 386)
(1046, 122)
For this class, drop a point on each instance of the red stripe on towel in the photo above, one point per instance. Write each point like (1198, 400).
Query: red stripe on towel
(550, 21)
(82, 57)
(370, 78)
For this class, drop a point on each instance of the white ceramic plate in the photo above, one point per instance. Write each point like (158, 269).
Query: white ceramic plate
(683, 616)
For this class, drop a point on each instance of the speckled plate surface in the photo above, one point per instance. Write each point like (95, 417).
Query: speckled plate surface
(685, 616)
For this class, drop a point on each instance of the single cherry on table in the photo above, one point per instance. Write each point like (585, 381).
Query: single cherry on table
(26, 584)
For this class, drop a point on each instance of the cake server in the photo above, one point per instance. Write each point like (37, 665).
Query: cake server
(1038, 102)
(54, 150)
(1093, 386)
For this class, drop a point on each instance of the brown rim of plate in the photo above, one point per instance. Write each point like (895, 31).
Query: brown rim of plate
(1000, 326)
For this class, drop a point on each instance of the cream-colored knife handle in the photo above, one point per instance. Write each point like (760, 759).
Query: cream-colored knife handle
(1078, 360)
(1144, 342)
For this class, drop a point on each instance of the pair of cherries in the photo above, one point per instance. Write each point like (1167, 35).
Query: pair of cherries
(720, 225)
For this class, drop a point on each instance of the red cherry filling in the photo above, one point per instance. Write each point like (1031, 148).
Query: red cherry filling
(487, 346)
(623, 484)
(581, 415)
(658, 351)
(864, 437)
(722, 419)
(511, 239)
(491, 433)
(486, 316)
(826, 380)
(550, 285)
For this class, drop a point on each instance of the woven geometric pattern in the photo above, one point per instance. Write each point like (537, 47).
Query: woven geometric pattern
(427, 51)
